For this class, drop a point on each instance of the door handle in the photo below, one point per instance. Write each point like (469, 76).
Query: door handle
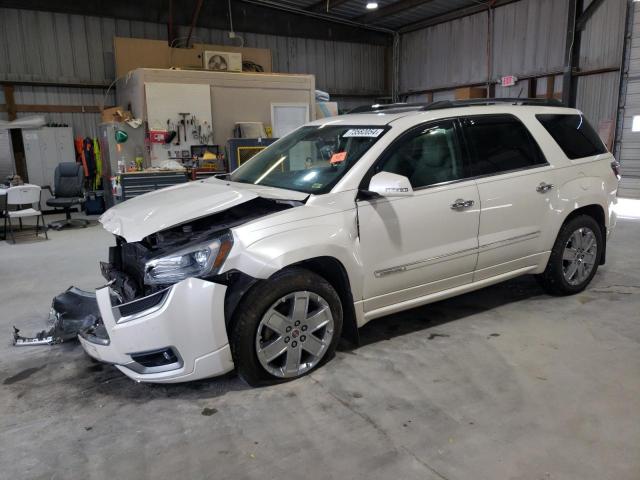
(544, 187)
(461, 204)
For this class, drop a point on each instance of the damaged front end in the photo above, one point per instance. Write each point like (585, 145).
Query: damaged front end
(140, 276)
(197, 248)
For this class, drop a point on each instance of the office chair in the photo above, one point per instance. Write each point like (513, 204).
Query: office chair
(69, 191)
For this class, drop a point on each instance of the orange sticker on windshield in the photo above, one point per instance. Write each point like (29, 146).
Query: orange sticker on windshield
(338, 157)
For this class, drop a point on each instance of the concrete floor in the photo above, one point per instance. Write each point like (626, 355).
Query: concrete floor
(504, 383)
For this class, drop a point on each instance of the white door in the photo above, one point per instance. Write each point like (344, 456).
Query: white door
(514, 181)
(418, 245)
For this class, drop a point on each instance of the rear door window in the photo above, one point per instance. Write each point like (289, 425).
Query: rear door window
(573, 134)
(500, 143)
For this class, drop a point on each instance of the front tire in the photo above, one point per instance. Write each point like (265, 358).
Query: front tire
(285, 327)
(574, 258)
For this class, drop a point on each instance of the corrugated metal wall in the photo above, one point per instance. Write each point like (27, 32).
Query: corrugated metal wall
(528, 40)
(628, 150)
(445, 55)
(75, 49)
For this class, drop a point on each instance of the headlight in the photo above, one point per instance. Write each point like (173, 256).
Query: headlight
(194, 261)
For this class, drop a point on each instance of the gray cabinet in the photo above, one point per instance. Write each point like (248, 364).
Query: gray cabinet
(44, 149)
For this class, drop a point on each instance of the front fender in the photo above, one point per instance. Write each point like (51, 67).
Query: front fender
(264, 257)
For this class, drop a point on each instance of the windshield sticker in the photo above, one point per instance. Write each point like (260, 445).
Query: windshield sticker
(338, 157)
(363, 132)
(316, 185)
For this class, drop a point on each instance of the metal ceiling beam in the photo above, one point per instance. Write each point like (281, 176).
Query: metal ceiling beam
(390, 9)
(453, 15)
(321, 6)
(584, 17)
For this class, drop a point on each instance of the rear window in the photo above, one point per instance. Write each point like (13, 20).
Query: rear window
(573, 134)
(501, 143)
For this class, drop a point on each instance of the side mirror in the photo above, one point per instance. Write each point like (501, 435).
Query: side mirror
(389, 184)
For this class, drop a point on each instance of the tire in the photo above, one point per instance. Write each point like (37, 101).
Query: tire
(256, 336)
(557, 279)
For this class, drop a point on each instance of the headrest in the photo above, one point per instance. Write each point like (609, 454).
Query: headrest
(69, 169)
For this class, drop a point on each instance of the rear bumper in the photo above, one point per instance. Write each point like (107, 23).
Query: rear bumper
(186, 325)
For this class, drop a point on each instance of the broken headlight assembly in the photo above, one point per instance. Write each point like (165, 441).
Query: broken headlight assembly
(200, 260)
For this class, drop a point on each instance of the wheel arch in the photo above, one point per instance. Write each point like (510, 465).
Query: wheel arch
(329, 268)
(595, 211)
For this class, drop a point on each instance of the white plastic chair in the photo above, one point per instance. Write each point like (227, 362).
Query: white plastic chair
(21, 196)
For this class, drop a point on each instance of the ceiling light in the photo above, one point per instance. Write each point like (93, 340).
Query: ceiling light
(372, 5)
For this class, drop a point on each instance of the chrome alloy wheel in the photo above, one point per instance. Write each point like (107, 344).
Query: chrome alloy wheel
(294, 334)
(579, 256)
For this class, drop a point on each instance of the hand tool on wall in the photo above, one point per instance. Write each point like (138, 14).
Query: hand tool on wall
(184, 124)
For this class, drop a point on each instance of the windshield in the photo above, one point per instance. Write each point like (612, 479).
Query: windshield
(310, 159)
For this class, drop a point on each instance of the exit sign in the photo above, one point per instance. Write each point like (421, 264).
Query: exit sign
(508, 81)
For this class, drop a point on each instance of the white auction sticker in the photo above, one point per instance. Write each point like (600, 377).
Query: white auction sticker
(363, 132)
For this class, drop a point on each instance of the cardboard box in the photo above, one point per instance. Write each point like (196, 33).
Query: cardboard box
(132, 53)
(113, 114)
(467, 93)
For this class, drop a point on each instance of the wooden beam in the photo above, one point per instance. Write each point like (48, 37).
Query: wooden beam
(551, 81)
(10, 102)
(326, 5)
(390, 9)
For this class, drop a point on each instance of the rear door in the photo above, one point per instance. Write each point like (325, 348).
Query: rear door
(418, 245)
(515, 185)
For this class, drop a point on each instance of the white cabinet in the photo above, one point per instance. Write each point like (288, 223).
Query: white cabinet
(44, 149)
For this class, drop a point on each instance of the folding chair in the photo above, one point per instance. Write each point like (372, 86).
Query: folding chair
(21, 196)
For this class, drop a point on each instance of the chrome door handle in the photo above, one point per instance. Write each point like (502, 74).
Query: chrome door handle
(461, 204)
(544, 187)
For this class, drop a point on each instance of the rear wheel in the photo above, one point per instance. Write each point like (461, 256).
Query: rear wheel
(286, 327)
(574, 258)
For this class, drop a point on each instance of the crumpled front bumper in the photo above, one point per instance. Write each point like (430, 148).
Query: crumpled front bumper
(174, 336)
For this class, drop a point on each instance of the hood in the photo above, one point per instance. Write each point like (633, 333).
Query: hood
(161, 209)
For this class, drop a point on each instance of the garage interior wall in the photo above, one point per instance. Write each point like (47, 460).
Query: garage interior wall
(59, 48)
(628, 141)
(527, 40)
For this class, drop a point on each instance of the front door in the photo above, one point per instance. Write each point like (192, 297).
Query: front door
(415, 246)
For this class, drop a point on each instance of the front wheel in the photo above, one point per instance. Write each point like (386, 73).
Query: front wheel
(574, 258)
(285, 327)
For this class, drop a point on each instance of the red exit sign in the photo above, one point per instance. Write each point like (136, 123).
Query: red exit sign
(508, 81)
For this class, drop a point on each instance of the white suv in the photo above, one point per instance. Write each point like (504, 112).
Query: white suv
(345, 220)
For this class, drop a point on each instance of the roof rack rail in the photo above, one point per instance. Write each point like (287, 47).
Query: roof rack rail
(541, 102)
(381, 107)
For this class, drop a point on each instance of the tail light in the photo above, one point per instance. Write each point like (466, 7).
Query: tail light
(615, 166)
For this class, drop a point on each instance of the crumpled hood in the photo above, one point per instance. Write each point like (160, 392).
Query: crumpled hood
(161, 209)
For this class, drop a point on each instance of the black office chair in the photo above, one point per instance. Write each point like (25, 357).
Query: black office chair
(69, 191)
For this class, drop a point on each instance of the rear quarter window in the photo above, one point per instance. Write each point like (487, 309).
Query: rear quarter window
(573, 134)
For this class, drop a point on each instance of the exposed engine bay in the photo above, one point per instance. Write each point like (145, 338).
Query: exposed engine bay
(126, 267)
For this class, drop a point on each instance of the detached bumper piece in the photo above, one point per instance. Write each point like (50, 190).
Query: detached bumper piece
(71, 312)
